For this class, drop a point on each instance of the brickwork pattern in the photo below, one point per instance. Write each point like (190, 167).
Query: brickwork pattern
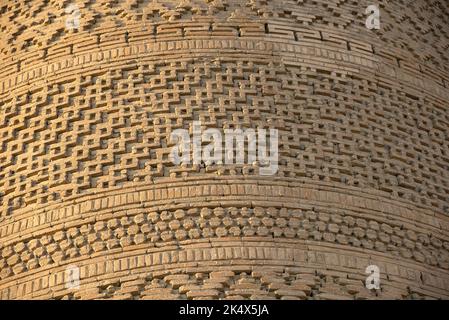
(86, 179)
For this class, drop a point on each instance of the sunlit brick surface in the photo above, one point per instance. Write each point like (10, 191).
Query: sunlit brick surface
(86, 180)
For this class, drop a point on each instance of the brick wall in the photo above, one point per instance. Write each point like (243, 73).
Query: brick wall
(85, 178)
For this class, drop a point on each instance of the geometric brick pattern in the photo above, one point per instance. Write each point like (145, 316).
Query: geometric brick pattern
(85, 177)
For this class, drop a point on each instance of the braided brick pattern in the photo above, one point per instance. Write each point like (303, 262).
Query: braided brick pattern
(86, 179)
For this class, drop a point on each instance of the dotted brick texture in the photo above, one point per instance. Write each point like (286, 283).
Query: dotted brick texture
(86, 181)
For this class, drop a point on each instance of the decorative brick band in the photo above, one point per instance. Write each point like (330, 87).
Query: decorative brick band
(89, 108)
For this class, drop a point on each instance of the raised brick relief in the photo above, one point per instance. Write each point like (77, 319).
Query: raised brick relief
(86, 179)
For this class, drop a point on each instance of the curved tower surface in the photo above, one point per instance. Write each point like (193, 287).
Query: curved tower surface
(93, 204)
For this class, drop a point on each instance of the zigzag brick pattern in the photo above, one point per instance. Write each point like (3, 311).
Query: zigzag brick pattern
(85, 175)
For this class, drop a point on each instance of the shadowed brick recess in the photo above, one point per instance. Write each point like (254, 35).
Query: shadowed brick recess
(86, 179)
